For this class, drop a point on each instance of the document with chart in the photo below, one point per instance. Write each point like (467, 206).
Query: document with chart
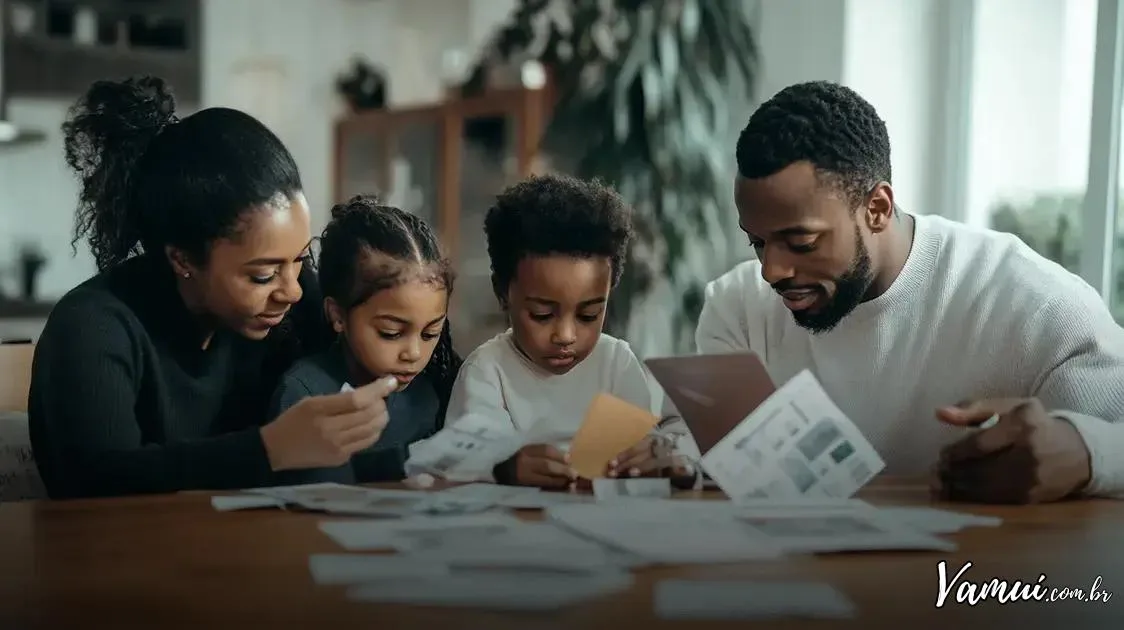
(796, 443)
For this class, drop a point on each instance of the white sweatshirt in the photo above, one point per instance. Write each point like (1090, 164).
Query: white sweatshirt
(974, 314)
(499, 383)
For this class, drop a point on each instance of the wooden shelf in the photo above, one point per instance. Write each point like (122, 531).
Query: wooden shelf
(429, 160)
(37, 63)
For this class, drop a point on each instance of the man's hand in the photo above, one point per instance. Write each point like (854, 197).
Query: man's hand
(1027, 456)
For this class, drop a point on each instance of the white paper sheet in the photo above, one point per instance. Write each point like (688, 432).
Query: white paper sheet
(617, 489)
(350, 500)
(532, 545)
(418, 532)
(505, 590)
(467, 451)
(810, 503)
(512, 497)
(661, 532)
(235, 502)
(748, 600)
(803, 530)
(934, 521)
(328, 568)
(796, 443)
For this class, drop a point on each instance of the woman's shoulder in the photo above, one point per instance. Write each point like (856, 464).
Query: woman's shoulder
(94, 304)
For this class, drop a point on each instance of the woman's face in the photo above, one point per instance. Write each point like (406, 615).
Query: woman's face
(249, 281)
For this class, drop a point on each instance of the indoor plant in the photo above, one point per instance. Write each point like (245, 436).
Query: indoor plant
(644, 91)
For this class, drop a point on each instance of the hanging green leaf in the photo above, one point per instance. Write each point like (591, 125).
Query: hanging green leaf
(644, 95)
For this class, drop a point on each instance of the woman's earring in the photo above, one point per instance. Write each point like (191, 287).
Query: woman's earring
(187, 274)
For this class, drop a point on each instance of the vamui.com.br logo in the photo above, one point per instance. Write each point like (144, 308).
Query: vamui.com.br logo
(963, 587)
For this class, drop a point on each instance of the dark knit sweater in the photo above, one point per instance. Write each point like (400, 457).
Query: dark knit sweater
(124, 399)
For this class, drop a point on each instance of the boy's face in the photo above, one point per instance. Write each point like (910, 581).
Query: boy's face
(394, 332)
(557, 307)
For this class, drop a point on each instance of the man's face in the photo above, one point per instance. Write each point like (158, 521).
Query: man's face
(811, 243)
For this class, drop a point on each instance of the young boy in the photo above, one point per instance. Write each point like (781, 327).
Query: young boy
(557, 246)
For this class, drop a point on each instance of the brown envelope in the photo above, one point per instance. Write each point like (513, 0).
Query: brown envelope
(611, 426)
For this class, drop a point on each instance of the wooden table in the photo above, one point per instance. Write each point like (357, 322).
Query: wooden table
(173, 562)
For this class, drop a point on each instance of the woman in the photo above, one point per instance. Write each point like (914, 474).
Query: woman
(155, 375)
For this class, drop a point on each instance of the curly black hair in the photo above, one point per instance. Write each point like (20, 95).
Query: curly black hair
(820, 122)
(363, 228)
(555, 214)
(149, 179)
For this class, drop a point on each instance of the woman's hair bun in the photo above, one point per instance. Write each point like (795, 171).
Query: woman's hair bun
(357, 204)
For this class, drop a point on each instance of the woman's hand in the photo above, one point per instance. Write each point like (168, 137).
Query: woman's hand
(324, 431)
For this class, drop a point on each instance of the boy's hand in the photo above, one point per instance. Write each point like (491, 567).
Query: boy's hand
(648, 458)
(543, 466)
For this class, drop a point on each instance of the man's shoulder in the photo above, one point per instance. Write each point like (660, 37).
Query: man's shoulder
(741, 280)
(1003, 266)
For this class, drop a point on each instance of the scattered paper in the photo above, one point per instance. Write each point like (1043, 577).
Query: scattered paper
(652, 531)
(465, 451)
(748, 600)
(487, 491)
(802, 530)
(796, 443)
(418, 532)
(513, 497)
(611, 426)
(354, 500)
(544, 500)
(934, 521)
(519, 590)
(330, 568)
(244, 502)
(748, 505)
(614, 489)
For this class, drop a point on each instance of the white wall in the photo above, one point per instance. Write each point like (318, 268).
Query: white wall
(280, 66)
(1030, 107)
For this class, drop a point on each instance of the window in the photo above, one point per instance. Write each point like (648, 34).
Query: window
(1031, 99)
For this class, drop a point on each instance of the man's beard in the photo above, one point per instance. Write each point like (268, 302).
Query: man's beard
(850, 289)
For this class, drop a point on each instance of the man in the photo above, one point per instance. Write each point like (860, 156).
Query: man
(899, 315)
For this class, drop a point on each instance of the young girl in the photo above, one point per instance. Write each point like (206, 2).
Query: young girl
(557, 247)
(386, 292)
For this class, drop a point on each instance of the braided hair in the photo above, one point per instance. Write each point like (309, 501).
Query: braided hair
(362, 227)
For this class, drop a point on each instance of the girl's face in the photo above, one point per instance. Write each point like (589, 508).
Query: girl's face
(557, 308)
(394, 332)
(249, 281)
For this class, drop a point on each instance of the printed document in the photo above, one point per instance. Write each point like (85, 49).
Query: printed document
(615, 489)
(662, 533)
(419, 532)
(802, 530)
(796, 443)
(508, 590)
(466, 451)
